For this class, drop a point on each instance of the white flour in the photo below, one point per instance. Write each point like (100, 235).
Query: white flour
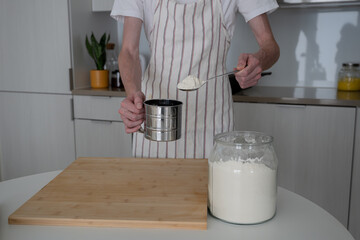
(242, 192)
(190, 82)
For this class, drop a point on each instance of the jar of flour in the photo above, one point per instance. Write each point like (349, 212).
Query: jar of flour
(242, 177)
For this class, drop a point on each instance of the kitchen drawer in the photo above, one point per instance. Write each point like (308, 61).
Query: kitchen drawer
(96, 138)
(97, 108)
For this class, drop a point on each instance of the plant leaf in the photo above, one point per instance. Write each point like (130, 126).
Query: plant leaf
(97, 50)
(102, 60)
(97, 54)
(103, 40)
(90, 50)
(89, 47)
(94, 42)
(108, 39)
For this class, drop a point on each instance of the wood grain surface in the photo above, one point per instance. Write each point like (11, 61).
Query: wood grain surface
(122, 192)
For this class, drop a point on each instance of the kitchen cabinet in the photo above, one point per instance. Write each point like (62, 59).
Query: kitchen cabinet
(36, 128)
(314, 145)
(354, 218)
(35, 46)
(43, 57)
(100, 138)
(36, 133)
(317, 3)
(99, 131)
(102, 5)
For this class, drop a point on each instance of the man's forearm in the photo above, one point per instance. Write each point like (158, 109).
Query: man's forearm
(269, 51)
(268, 54)
(130, 71)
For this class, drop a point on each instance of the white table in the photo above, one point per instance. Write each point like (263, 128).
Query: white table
(296, 218)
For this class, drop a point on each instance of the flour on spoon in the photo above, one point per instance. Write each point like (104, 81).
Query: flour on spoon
(190, 82)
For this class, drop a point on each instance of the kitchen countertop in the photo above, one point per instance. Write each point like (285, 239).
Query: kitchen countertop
(299, 95)
(106, 92)
(260, 94)
(296, 218)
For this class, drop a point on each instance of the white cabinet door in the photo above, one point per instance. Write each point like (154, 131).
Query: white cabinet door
(314, 146)
(254, 117)
(97, 107)
(96, 138)
(36, 133)
(35, 46)
(98, 127)
(0, 160)
(354, 219)
(102, 5)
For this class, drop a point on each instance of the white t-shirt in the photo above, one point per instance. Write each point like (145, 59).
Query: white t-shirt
(144, 9)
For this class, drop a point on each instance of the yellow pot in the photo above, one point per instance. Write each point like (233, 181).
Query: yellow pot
(99, 78)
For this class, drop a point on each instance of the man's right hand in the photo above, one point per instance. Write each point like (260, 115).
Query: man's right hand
(132, 111)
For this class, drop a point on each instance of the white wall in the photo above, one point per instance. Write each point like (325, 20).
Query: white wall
(144, 45)
(313, 41)
(83, 23)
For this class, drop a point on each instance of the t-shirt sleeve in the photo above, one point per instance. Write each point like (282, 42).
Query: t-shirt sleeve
(127, 8)
(252, 8)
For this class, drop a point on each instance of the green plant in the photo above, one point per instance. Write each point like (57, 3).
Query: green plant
(97, 50)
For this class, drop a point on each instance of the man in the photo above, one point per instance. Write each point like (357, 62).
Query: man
(188, 37)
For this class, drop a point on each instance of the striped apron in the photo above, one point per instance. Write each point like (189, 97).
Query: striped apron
(188, 39)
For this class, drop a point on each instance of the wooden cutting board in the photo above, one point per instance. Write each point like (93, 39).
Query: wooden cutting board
(122, 192)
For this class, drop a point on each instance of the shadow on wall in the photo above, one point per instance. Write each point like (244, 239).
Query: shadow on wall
(317, 42)
(302, 58)
(296, 31)
(345, 47)
(313, 69)
(290, 27)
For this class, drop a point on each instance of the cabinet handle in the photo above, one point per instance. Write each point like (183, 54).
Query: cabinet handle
(291, 106)
(71, 84)
(72, 113)
(101, 97)
(101, 121)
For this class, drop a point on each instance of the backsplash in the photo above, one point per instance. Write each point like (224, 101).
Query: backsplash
(314, 43)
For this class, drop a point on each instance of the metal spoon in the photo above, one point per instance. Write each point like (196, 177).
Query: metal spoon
(203, 82)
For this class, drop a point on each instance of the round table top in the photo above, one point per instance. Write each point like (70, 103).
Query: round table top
(296, 218)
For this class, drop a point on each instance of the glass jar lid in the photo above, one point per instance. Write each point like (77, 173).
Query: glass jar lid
(350, 64)
(243, 138)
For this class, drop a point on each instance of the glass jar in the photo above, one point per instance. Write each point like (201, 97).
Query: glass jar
(242, 184)
(112, 65)
(349, 77)
(116, 80)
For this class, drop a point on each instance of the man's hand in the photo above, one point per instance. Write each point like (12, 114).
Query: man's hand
(251, 65)
(249, 70)
(132, 111)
